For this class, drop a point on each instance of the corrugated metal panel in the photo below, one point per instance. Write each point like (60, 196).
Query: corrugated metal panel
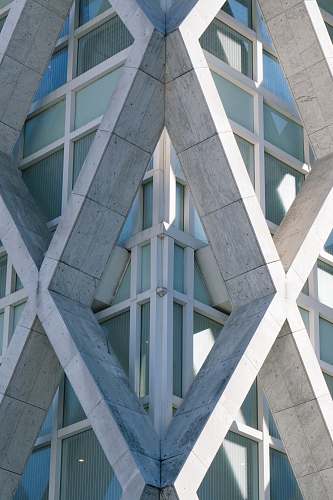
(35, 480)
(44, 180)
(283, 484)
(102, 43)
(85, 471)
(229, 46)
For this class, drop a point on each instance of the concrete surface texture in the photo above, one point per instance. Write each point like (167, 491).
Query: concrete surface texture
(166, 82)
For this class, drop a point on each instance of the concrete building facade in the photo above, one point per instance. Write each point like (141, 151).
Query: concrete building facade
(166, 259)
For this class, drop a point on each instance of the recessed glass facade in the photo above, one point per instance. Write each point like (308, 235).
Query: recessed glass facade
(165, 291)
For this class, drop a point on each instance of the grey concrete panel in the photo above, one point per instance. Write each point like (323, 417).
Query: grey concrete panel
(8, 483)
(306, 55)
(27, 41)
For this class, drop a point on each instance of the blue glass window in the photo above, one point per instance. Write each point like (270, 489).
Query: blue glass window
(240, 10)
(283, 483)
(88, 9)
(55, 74)
(274, 79)
(35, 480)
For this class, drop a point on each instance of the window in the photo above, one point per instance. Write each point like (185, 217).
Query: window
(48, 422)
(144, 350)
(305, 317)
(55, 74)
(237, 103)
(273, 430)
(145, 268)
(180, 206)
(34, 484)
(101, 43)
(283, 483)
(44, 128)
(325, 283)
(1, 332)
(2, 22)
(81, 150)
(329, 382)
(201, 292)
(3, 3)
(3, 274)
(329, 244)
(44, 180)
(282, 183)
(248, 413)
(283, 133)
(85, 471)
(92, 101)
(205, 332)
(326, 340)
(247, 152)
(327, 5)
(118, 333)
(233, 474)
(73, 411)
(240, 10)
(178, 269)
(229, 46)
(177, 350)
(274, 79)
(329, 29)
(147, 204)
(124, 289)
(88, 9)
(17, 312)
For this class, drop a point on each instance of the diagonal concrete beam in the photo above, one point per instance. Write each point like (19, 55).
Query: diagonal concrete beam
(305, 52)
(26, 44)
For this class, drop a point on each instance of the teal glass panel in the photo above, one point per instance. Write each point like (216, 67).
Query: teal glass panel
(282, 183)
(233, 474)
(55, 74)
(48, 423)
(330, 30)
(18, 283)
(201, 292)
(1, 331)
(101, 43)
(73, 411)
(326, 340)
(329, 244)
(2, 22)
(205, 332)
(306, 318)
(81, 149)
(144, 350)
(262, 29)
(3, 3)
(247, 152)
(34, 484)
(124, 289)
(17, 313)
(145, 268)
(229, 46)
(65, 28)
(283, 483)
(198, 229)
(179, 269)
(325, 283)
(44, 180)
(133, 221)
(180, 206)
(274, 79)
(85, 471)
(283, 133)
(92, 101)
(44, 128)
(147, 204)
(237, 103)
(240, 10)
(248, 413)
(3, 274)
(118, 333)
(329, 382)
(326, 5)
(177, 350)
(272, 429)
(88, 9)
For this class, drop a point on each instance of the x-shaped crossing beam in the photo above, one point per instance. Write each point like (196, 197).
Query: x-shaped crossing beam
(166, 58)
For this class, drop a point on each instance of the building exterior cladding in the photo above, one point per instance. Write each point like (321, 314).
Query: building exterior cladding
(162, 302)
